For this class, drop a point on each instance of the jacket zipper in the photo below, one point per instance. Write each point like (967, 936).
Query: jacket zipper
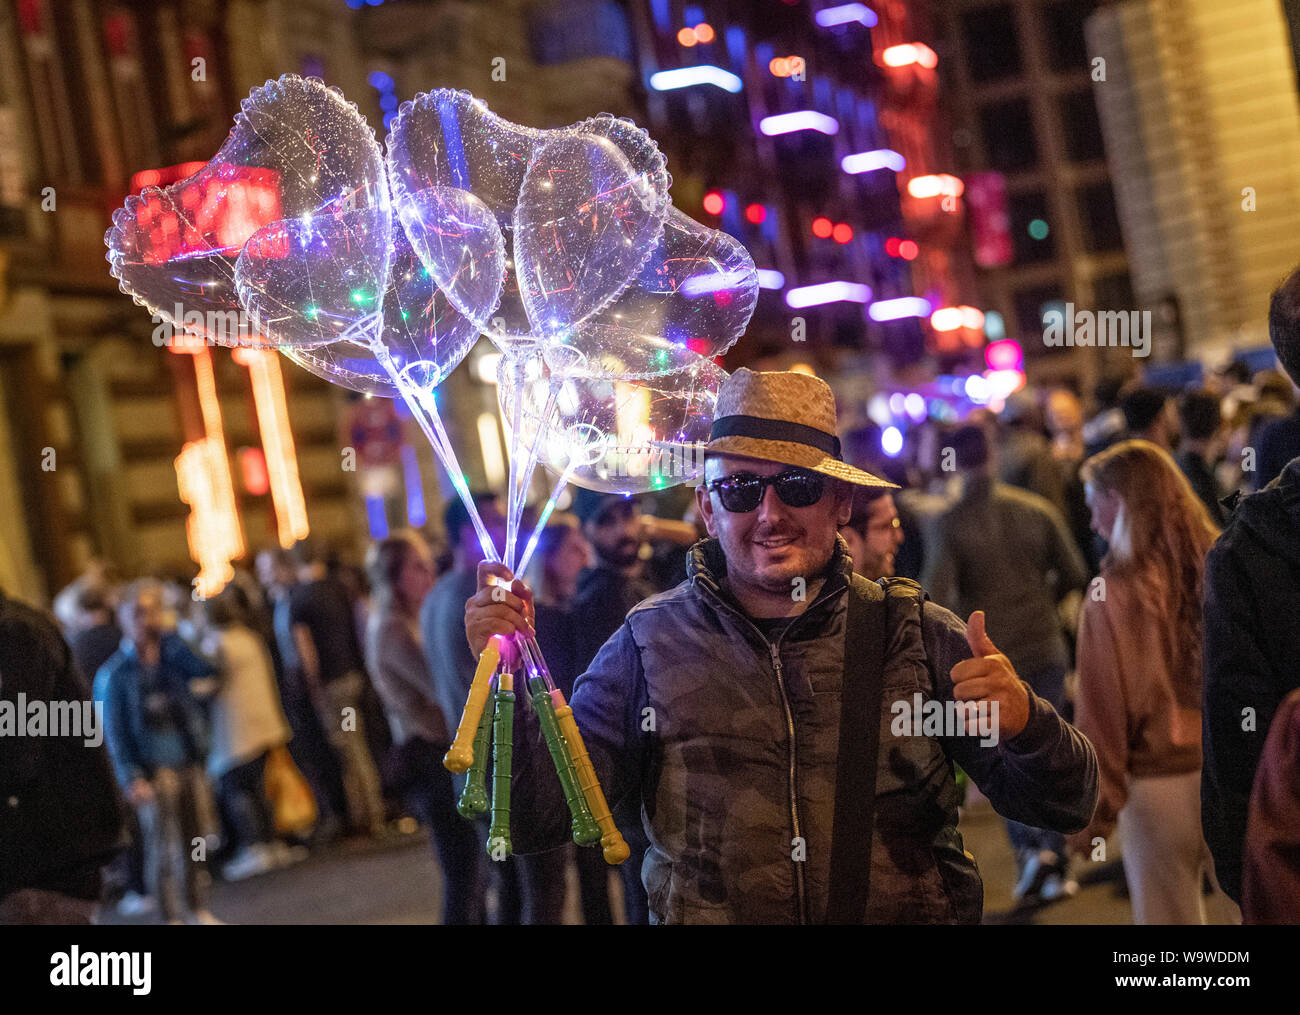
(794, 794)
(775, 651)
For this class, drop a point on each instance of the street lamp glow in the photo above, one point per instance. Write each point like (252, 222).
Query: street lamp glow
(933, 186)
(896, 310)
(827, 292)
(844, 14)
(910, 53)
(703, 74)
(803, 119)
(867, 162)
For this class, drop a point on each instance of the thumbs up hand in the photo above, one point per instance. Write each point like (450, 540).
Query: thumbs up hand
(990, 677)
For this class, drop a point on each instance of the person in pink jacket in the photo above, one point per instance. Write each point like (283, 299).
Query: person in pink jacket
(1139, 664)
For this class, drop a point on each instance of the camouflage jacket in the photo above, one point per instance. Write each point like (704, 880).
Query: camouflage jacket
(731, 741)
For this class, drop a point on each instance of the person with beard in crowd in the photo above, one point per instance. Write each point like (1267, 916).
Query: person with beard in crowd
(743, 667)
(873, 533)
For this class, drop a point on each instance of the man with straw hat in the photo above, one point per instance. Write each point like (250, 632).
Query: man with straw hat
(791, 729)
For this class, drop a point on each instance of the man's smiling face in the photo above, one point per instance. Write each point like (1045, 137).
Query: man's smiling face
(769, 547)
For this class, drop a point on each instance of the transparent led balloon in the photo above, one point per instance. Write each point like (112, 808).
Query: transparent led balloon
(617, 434)
(418, 327)
(578, 210)
(297, 192)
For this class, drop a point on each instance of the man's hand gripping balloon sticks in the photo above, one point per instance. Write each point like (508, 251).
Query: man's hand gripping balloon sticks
(499, 627)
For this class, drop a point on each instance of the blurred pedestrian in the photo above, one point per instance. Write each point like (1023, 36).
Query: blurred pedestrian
(563, 553)
(873, 533)
(98, 635)
(1252, 630)
(401, 574)
(155, 731)
(606, 592)
(442, 625)
(1007, 551)
(323, 623)
(1139, 661)
(309, 746)
(247, 724)
(1201, 422)
(63, 811)
(1148, 416)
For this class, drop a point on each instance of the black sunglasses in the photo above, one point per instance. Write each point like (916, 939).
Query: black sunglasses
(743, 491)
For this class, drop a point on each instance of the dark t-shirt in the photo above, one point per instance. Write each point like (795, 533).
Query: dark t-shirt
(325, 608)
(771, 626)
(604, 598)
(93, 647)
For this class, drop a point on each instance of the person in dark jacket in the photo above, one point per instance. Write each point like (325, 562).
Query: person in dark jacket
(716, 704)
(63, 818)
(1008, 551)
(1201, 420)
(1252, 629)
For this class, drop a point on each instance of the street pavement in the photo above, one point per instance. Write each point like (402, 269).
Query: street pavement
(397, 881)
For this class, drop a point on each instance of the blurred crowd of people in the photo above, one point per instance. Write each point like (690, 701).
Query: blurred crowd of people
(312, 699)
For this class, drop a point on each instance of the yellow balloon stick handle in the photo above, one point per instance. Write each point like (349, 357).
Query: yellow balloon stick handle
(474, 798)
(611, 841)
(461, 753)
(498, 844)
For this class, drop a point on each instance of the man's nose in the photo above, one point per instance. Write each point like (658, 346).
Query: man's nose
(771, 507)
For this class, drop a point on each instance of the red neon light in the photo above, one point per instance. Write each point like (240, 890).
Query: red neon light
(822, 227)
(756, 214)
(219, 212)
(842, 233)
(714, 202)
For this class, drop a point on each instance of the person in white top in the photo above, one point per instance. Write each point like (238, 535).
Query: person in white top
(247, 723)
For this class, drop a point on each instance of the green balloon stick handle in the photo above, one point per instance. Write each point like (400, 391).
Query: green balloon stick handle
(585, 830)
(498, 844)
(474, 798)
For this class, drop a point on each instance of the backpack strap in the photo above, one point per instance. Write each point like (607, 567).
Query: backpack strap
(865, 645)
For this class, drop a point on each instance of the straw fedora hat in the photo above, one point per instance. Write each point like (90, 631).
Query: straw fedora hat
(783, 417)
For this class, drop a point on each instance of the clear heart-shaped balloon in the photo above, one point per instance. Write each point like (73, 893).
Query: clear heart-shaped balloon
(420, 330)
(585, 223)
(449, 139)
(298, 152)
(697, 291)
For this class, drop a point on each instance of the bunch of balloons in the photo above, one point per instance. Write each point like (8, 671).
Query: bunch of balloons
(378, 268)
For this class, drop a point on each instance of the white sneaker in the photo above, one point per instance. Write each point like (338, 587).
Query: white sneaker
(248, 862)
(134, 904)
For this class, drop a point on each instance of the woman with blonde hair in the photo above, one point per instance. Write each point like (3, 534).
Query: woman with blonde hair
(1139, 664)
